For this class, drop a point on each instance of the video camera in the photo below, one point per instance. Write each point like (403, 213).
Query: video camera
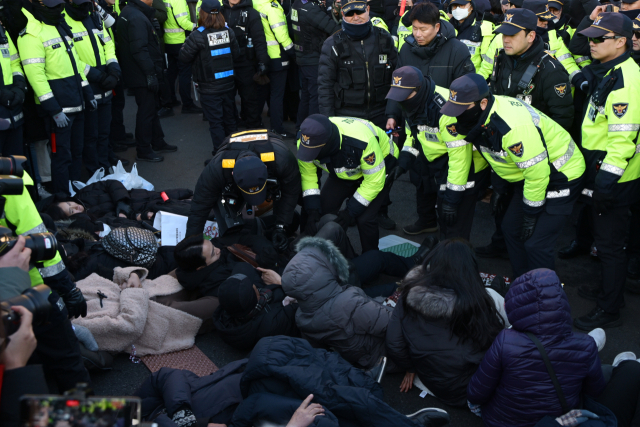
(229, 208)
(11, 172)
(44, 246)
(35, 299)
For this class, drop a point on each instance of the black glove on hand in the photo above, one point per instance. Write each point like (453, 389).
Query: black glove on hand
(156, 26)
(528, 226)
(344, 219)
(279, 239)
(311, 228)
(395, 173)
(19, 97)
(499, 203)
(152, 83)
(449, 214)
(76, 305)
(262, 69)
(109, 82)
(602, 202)
(6, 97)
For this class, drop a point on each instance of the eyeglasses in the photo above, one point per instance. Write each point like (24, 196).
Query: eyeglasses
(601, 39)
(354, 12)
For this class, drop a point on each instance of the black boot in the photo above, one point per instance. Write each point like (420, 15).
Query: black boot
(149, 155)
(427, 244)
(598, 318)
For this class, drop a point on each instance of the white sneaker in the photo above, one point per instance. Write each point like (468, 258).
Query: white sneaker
(625, 355)
(599, 337)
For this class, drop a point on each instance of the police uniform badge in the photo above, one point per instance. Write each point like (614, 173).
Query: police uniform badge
(304, 139)
(561, 90)
(452, 130)
(517, 149)
(382, 59)
(370, 159)
(453, 95)
(620, 109)
(508, 17)
(397, 81)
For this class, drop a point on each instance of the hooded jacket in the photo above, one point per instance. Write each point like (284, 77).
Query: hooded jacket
(331, 313)
(512, 383)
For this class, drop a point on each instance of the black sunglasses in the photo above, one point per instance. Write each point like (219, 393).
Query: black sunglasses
(637, 34)
(354, 12)
(601, 39)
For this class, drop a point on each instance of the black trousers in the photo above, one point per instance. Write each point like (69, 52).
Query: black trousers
(610, 232)
(426, 197)
(633, 245)
(148, 129)
(218, 109)
(336, 190)
(274, 91)
(58, 349)
(622, 394)
(251, 106)
(466, 211)
(539, 250)
(11, 142)
(181, 71)
(66, 159)
(308, 93)
(117, 131)
(97, 125)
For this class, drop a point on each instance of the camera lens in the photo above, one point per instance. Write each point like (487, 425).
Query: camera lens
(10, 185)
(12, 165)
(35, 299)
(43, 246)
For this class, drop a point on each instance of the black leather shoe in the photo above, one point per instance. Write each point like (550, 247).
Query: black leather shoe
(119, 148)
(385, 222)
(597, 318)
(191, 110)
(149, 156)
(573, 250)
(430, 417)
(633, 268)
(419, 227)
(166, 112)
(589, 293)
(491, 251)
(428, 243)
(166, 148)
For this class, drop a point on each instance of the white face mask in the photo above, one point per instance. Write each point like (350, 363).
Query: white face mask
(555, 21)
(460, 13)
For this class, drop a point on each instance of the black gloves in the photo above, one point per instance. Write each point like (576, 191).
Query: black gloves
(19, 97)
(109, 82)
(156, 26)
(449, 214)
(311, 228)
(602, 202)
(395, 173)
(152, 83)
(6, 97)
(528, 226)
(262, 69)
(76, 305)
(279, 238)
(344, 219)
(499, 203)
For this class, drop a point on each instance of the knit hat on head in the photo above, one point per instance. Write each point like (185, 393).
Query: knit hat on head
(237, 296)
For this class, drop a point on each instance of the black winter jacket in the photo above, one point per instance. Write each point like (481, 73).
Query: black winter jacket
(245, 28)
(212, 183)
(444, 60)
(16, 383)
(316, 24)
(552, 90)
(196, 50)
(138, 47)
(336, 97)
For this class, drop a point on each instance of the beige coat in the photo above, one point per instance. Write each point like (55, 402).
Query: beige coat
(128, 316)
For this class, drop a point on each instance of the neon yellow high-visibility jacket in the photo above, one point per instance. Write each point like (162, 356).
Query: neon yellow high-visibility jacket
(178, 21)
(85, 39)
(562, 54)
(58, 76)
(610, 135)
(580, 60)
(363, 143)
(489, 57)
(405, 31)
(12, 74)
(276, 31)
(378, 22)
(476, 49)
(525, 144)
(22, 217)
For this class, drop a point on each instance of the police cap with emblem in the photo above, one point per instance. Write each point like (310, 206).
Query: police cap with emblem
(540, 8)
(211, 6)
(316, 132)
(405, 80)
(610, 22)
(636, 24)
(250, 175)
(556, 4)
(516, 3)
(460, 2)
(516, 20)
(465, 91)
(80, 1)
(52, 3)
(354, 5)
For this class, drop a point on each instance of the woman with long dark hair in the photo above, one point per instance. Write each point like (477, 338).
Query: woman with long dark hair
(444, 322)
(212, 48)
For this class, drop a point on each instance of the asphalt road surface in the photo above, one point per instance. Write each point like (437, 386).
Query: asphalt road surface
(182, 169)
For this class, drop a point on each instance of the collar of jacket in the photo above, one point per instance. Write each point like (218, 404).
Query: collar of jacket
(148, 11)
(329, 250)
(595, 72)
(432, 302)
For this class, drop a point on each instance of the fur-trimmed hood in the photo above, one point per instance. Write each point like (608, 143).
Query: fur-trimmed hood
(330, 250)
(432, 302)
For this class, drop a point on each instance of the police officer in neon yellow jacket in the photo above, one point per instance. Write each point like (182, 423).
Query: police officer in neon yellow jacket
(564, 31)
(95, 48)
(58, 78)
(471, 29)
(610, 145)
(533, 158)
(282, 54)
(354, 152)
(450, 164)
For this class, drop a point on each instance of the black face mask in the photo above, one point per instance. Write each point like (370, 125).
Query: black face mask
(543, 32)
(468, 120)
(356, 31)
(48, 15)
(78, 12)
(412, 106)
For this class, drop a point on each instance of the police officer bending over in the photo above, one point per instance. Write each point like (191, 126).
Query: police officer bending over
(528, 152)
(354, 152)
(241, 167)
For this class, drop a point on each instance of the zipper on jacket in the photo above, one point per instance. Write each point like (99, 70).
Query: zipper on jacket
(366, 64)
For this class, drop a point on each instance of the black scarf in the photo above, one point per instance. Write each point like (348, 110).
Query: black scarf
(595, 72)
(356, 31)
(420, 109)
(461, 27)
(78, 12)
(543, 33)
(476, 131)
(48, 15)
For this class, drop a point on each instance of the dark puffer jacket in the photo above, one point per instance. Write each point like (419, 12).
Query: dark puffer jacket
(330, 313)
(512, 383)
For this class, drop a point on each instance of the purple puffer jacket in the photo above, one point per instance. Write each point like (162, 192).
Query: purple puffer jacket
(512, 383)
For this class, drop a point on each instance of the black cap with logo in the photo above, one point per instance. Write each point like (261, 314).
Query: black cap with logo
(404, 81)
(250, 175)
(354, 5)
(516, 20)
(460, 2)
(516, 3)
(558, 4)
(465, 91)
(209, 5)
(52, 3)
(316, 131)
(540, 8)
(610, 22)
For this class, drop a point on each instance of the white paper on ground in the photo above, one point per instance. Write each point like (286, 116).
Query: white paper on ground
(425, 390)
(174, 228)
(391, 240)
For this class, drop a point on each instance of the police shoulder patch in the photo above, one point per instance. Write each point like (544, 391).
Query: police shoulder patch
(452, 129)
(370, 159)
(517, 149)
(561, 89)
(620, 109)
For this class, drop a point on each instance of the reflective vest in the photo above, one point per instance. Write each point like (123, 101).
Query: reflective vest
(309, 38)
(363, 148)
(489, 57)
(10, 66)
(22, 217)
(562, 54)
(220, 63)
(610, 134)
(581, 61)
(275, 29)
(53, 67)
(178, 21)
(482, 37)
(258, 141)
(406, 31)
(378, 22)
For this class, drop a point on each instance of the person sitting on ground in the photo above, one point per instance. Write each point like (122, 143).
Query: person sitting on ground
(251, 310)
(444, 322)
(513, 386)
